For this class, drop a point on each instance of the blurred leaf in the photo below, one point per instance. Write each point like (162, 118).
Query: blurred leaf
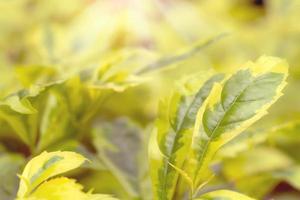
(224, 194)
(291, 175)
(55, 121)
(249, 185)
(10, 165)
(23, 125)
(243, 142)
(18, 112)
(35, 75)
(116, 72)
(175, 59)
(116, 142)
(266, 161)
(19, 102)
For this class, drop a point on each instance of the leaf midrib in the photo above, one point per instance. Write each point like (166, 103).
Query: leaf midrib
(167, 166)
(217, 126)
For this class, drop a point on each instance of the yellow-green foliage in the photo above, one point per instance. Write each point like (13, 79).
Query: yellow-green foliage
(149, 99)
(36, 184)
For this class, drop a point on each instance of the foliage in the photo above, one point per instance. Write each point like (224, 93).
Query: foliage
(149, 99)
(34, 184)
(202, 126)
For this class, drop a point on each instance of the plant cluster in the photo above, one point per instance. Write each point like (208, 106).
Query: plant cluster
(150, 99)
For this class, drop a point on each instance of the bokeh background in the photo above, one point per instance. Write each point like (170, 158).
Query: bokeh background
(86, 76)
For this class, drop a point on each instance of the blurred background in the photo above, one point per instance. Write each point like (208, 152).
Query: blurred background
(86, 75)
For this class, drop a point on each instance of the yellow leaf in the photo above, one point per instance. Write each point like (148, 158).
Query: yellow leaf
(45, 166)
(62, 189)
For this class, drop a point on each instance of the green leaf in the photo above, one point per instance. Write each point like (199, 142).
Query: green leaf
(23, 125)
(232, 107)
(55, 121)
(115, 73)
(10, 165)
(172, 135)
(118, 146)
(21, 105)
(45, 166)
(17, 111)
(179, 57)
(35, 75)
(19, 102)
(224, 195)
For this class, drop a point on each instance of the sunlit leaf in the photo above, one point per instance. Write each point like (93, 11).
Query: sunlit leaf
(173, 133)
(45, 166)
(61, 189)
(233, 106)
(224, 195)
